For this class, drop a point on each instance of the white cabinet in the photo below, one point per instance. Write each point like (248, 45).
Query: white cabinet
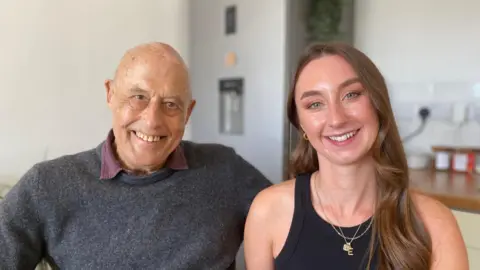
(474, 258)
(469, 224)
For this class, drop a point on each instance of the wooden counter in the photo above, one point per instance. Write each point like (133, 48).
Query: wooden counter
(455, 190)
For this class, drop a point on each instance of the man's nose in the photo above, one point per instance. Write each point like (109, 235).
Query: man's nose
(153, 115)
(336, 115)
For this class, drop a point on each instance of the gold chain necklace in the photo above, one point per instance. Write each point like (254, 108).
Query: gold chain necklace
(347, 247)
(356, 237)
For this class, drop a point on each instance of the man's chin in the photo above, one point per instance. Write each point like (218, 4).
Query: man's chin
(146, 159)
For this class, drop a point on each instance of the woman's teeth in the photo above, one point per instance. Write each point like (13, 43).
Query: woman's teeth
(147, 138)
(343, 137)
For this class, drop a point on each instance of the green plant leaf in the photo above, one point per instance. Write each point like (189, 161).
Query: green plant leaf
(324, 18)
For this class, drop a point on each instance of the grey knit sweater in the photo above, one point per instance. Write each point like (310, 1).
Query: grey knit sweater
(193, 219)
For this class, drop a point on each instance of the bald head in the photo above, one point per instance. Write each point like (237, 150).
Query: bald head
(160, 59)
(151, 103)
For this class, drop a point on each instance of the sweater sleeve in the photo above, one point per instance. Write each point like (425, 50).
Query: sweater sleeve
(251, 182)
(20, 231)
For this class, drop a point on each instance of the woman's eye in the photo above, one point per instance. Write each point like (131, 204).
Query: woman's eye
(314, 105)
(352, 95)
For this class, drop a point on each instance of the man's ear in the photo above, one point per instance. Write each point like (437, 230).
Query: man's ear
(189, 110)
(109, 91)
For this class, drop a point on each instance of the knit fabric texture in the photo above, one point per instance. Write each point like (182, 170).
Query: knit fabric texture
(187, 219)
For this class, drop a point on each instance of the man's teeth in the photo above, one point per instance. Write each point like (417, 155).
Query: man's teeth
(148, 138)
(343, 137)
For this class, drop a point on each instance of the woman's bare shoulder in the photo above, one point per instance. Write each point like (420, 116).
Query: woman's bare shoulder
(266, 223)
(433, 213)
(448, 246)
(274, 199)
(425, 204)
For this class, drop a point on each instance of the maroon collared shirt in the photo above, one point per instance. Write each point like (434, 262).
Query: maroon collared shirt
(110, 166)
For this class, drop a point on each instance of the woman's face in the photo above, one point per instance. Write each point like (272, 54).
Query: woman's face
(335, 111)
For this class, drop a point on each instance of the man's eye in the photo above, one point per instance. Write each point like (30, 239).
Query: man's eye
(171, 105)
(138, 102)
(140, 97)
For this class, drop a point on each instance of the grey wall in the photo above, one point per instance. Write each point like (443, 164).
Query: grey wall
(296, 42)
(260, 45)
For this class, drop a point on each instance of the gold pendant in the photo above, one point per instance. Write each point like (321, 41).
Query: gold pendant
(348, 248)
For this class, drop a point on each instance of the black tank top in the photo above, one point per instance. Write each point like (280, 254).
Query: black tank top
(312, 243)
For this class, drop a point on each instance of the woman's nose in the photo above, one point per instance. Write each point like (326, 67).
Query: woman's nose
(336, 115)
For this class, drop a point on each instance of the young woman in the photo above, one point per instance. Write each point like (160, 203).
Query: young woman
(349, 206)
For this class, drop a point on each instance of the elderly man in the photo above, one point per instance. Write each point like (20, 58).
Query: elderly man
(142, 199)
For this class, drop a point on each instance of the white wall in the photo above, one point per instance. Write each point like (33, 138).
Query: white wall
(427, 50)
(55, 56)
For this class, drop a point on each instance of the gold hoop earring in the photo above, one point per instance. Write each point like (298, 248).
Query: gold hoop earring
(305, 136)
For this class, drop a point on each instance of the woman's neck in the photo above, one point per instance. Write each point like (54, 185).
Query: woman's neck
(348, 192)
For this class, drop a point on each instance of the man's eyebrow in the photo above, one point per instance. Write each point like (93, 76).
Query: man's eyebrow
(177, 98)
(172, 96)
(137, 90)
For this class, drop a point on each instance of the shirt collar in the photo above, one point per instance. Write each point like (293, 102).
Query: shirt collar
(110, 166)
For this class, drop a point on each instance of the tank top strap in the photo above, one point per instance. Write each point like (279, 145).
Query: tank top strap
(302, 191)
(302, 195)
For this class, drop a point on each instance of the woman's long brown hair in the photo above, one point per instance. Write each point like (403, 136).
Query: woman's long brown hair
(398, 231)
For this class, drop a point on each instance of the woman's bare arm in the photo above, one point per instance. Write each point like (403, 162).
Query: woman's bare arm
(448, 247)
(258, 239)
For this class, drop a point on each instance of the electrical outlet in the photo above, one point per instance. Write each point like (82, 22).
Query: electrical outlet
(438, 111)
